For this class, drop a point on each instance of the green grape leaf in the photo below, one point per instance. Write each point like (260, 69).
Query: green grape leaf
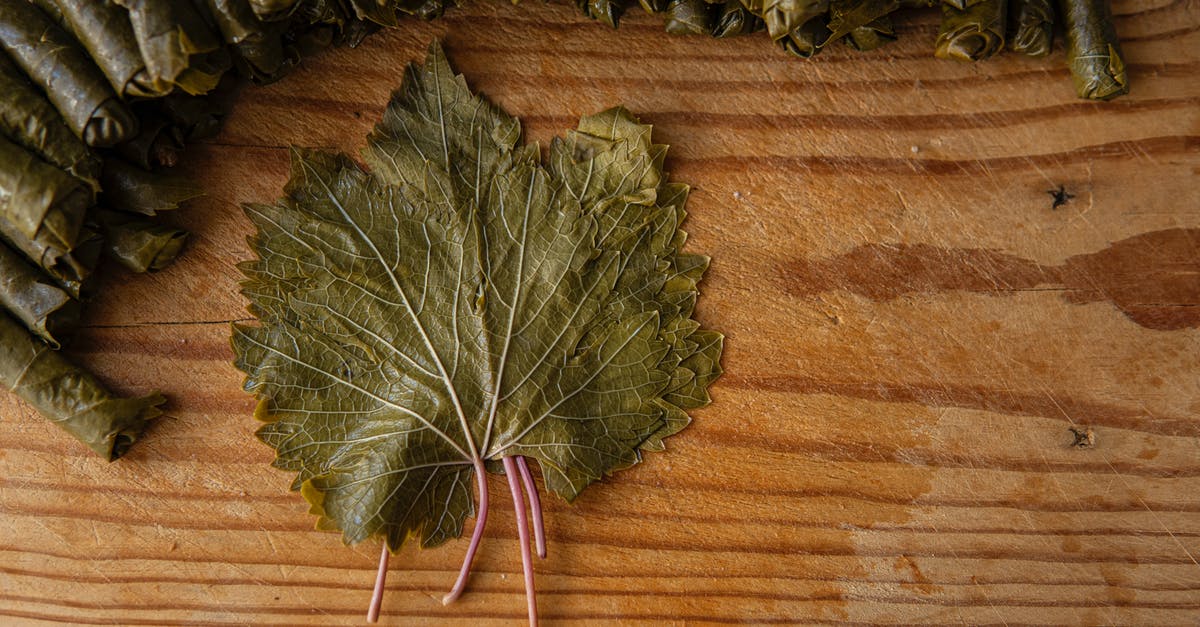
(463, 302)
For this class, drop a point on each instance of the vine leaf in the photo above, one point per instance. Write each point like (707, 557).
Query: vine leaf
(462, 303)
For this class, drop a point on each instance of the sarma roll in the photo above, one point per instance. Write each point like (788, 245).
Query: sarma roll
(971, 34)
(40, 200)
(962, 5)
(65, 72)
(28, 119)
(159, 141)
(105, 31)
(258, 47)
(1031, 26)
(177, 45)
(34, 299)
(132, 189)
(70, 396)
(690, 17)
(199, 117)
(607, 11)
(272, 9)
(848, 16)
(1093, 51)
(735, 19)
(138, 243)
(872, 35)
(806, 40)
(347, 27)
(71, 267)
(784, 18)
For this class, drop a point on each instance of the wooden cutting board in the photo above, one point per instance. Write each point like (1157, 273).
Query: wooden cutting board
(913, 333)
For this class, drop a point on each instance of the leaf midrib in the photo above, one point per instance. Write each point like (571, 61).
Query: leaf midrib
(516, 306)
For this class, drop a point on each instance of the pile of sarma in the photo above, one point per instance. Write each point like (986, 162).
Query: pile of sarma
(97, 99)
(971, 30)
(84, 128)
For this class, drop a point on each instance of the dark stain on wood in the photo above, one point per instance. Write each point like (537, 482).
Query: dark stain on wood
(1153, 278)
(920, 582)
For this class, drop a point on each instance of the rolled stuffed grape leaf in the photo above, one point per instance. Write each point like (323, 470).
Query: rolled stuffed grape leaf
(1093, 52)
(258, 46)
(105, 31)
(735, 19)
(1031, 26)
(690, 17)
(134, 189)
(139, 243)
(158, 141)
(805, 41)
(271, 9)
(34, 299)
(28, 119)
(199, 117)
(607, 11)
(65, 72)
(848, 16)
(332, 22)
(872, 35)
(972, 34)
(70, 267)
(962, 5)
(463, 305)
(177, 45)
(784, 17)
(70, 396)
(40, 200)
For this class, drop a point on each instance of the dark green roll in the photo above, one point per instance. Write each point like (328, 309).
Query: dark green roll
(872, 35)
(1093, 52)
(34, 299)
(106, 33)
(199, 117)
(59, 65)
(258, 47)
(607, 11)
(177, 45)
(135, 190)
(159, 141)
(785, 18)
(71, 268)
(971, 34)
(1031, 27)
(29, 120)
(848, 16)
(139, 243)
(735, 19)
(39, 200)
(690, 17)
(70, 396)
(271, 9)
(806, 40)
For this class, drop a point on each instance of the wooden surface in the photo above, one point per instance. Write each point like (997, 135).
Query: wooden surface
(912, 330)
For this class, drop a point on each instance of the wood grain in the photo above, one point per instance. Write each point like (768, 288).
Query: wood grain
(912, 331)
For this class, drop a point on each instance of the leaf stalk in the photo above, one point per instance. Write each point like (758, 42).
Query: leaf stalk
(476, 535)
(380, 580)
(514, 485)
(535, 507)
